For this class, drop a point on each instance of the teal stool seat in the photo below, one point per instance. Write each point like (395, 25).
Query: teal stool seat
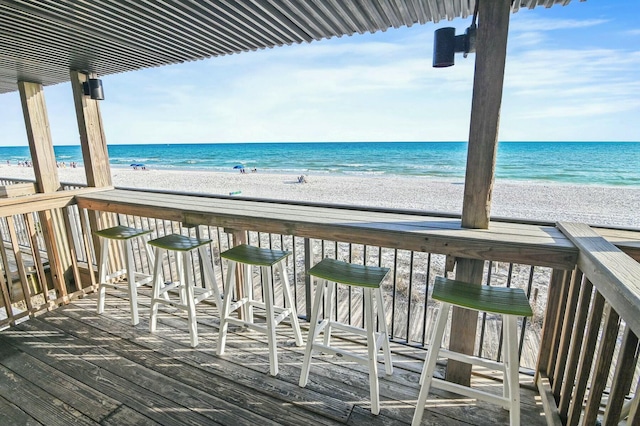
(121, 232)
(267, 260)
(177, 242)
(349, 274)
(497, 300)
(183, 250)
(124, 237)
(328, 272)
(252, 255)
(511, 303)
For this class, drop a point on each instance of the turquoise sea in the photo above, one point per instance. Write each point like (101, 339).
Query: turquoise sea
(598, 163)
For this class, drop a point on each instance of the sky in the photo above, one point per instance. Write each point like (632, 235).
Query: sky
(572, 74)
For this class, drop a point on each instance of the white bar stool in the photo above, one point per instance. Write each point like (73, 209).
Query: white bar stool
(190, 294)
(328, 272)
(266, 259)
(125, 236)
(511, 303)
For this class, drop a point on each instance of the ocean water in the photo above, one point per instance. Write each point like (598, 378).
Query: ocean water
(592, 163)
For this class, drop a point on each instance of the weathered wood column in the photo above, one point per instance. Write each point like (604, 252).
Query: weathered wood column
(92, 138)
(491, 50)
(46, 173)
(94, 148)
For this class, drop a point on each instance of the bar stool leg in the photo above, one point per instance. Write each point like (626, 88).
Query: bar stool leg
(226, 306)
(210, 278)
(131, 281)
(430, 364)
(382, 325)
(102, 274)
(247, 308)
(512, 369)
(187, 284)
(295, 325)
(313, 324)
(271, 329)
(371, 348)
(157, 284)
(331, 287)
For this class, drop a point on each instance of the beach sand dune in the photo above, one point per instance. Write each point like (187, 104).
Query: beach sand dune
(596, 205)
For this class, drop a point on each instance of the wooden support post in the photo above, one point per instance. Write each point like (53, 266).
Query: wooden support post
(46, 174)
(93, 143)
(92, 138)
(491, 50)
(39, 135)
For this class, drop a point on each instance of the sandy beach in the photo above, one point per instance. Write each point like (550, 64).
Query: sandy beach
(596, 205)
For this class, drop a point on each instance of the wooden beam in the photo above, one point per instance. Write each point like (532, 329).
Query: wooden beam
(36, 121)
(92, 138)
(491, 51)
(46, 174)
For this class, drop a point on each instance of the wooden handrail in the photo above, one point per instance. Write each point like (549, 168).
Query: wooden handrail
(615, 275)
(40, 202)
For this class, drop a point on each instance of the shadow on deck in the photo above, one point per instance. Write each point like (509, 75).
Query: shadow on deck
(71, 366)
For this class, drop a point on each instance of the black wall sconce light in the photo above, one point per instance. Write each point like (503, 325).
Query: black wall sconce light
(446, 43)
(93, 88)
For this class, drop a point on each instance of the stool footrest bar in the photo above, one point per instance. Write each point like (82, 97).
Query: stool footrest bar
(471, 393)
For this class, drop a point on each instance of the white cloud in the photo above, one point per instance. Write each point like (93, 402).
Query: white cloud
(545, 24)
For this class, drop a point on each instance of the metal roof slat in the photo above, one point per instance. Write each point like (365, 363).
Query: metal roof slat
(229, 22)
(63, 14)
(167, 31)
(246, 15)
(300, 8)
(210, 27)
(391, 12)
(284, 20)
(375, 18)
(154, 33)
(310, 28)
(341, 26)
(348, 16)
(44, 31)
(219, 27)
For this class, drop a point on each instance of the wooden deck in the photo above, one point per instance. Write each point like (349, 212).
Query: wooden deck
(71, 366)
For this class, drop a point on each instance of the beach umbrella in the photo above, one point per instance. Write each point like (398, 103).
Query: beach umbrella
(238, 166)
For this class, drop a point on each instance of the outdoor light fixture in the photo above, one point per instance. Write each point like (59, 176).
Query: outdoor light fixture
(446, 43)
(93, 87)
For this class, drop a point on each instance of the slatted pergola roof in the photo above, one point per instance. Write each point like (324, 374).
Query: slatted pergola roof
(41, 40)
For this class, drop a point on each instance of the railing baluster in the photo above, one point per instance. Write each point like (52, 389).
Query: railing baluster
(626, 362)
(586, 359)
(577, 340)
(565, 339)
(603, 363)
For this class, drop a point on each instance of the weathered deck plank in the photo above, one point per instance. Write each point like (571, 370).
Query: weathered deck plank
(140, 378)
